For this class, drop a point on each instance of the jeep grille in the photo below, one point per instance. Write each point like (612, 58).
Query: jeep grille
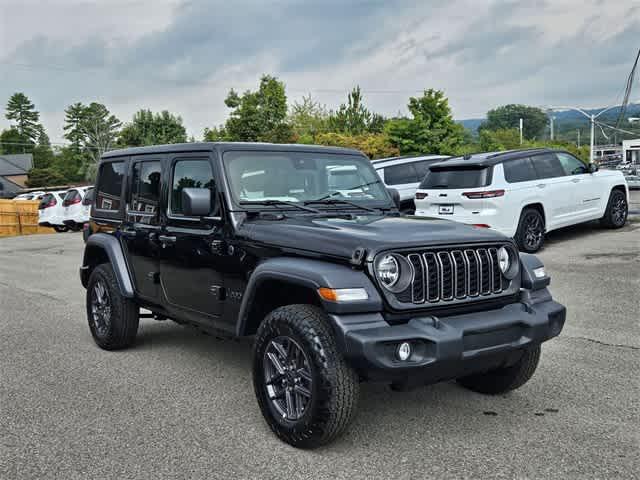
(455, 274)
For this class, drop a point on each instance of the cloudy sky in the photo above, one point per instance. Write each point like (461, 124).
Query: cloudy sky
(184, 55)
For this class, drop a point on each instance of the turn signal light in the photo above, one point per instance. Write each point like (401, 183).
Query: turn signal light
(343, 294)
(487, 194)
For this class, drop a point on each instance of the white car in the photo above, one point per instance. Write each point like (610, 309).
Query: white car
(405, 174)
(523, 193)
(51, 211)
(30, 196)
(75, 213)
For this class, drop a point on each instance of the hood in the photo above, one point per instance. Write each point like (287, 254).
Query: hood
(339, 237)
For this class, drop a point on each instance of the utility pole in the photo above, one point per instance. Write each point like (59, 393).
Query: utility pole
(520, 131)
(593, 131)
(578, 138)
(551, 119)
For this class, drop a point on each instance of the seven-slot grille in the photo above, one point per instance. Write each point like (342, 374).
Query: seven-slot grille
(445, 275)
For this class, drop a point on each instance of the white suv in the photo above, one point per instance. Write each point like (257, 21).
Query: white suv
(523, 193)
(75, 213)
(405, 174)
(51, 211)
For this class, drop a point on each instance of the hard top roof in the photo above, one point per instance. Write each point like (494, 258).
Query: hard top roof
(486, 159)
(226, 146)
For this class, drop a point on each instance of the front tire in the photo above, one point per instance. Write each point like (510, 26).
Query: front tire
(306, 391)
(504, 379)
(113, 319)
(530, 233)
(60, 228)
(615, 216)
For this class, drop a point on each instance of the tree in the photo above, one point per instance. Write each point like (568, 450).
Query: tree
(431, 128)
(308, 118)
(215, 134)
(148, 128)
(13, 142)
(100, 130)
(508, 116)
(42, 153)
(354, 118)
(374, 145)
(73, 117)
(500, 139)
(45, 177)
(22, 111)
(259, 116)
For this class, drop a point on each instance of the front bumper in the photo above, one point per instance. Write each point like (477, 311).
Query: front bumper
(447, 347)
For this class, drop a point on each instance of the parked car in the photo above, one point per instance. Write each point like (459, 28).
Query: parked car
(75, 213)
(523, 193)
(51, 211)
(633, 181)
(405, 174)
(254, 239)
(30, 196)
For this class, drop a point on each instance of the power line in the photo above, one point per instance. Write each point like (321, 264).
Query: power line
(627, 91)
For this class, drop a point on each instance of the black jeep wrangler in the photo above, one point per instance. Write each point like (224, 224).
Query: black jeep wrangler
(304, 248)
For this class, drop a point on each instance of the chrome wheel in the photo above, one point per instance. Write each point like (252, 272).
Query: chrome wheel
(533, 231)
(101, 308)
(287, 378)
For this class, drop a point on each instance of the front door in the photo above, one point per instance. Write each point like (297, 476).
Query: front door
(142, 225)
(192, 247)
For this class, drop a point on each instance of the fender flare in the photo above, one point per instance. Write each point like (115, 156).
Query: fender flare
(111, 246)
(311, 274)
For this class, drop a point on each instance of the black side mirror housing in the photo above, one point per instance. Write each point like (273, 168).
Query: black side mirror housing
(395, 195)
(196, 202)
(593, 168)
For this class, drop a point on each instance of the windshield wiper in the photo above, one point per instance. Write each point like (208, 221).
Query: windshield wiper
(279, 202)
(337, 201)
(333, 194)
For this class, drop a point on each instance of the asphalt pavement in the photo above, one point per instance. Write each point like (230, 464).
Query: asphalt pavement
(180, 403)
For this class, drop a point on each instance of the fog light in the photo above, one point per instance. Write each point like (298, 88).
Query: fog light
(539, 272)
(404, 351)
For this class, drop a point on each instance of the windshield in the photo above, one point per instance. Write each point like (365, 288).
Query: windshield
(303, 177)
(468, 177)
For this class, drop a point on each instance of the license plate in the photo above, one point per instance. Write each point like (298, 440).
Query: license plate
(445, 209)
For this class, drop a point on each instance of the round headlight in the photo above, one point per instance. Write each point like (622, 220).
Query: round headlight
(394, 272)
(504, 261)
(508, 262)
(388, 271)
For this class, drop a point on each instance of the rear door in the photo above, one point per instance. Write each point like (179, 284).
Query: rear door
(192, 247)
(141, 224)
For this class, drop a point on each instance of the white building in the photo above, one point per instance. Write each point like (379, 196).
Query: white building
(631, 151)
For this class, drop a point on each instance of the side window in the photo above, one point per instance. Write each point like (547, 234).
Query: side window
(547, 166)
(422, 168)
(145, 192)
(570, 164)
(399, 174)
(109, 186)
(196, 173)
(519, 170)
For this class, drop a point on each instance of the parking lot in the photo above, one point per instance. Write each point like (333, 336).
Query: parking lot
(181, 404)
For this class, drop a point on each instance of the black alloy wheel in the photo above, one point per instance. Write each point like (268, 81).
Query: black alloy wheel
(530, 234)
(287, 378)
(615, 216)
(100, 308)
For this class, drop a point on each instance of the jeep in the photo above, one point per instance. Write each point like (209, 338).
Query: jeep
(304, 248)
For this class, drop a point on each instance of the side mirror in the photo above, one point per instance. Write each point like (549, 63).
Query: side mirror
(196, 202)
(395, 195)
(593, 168)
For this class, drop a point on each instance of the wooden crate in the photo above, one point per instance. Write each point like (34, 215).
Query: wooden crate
(20, 218)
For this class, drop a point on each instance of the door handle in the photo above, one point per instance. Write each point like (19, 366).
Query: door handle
(166, 240)
(575, 180)
(541, 185)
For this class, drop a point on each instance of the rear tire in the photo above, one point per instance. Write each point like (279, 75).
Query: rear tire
(615, 216)
(60, 228)
(322, 409)
(530, 233)
(113, 319)
(504, 379)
